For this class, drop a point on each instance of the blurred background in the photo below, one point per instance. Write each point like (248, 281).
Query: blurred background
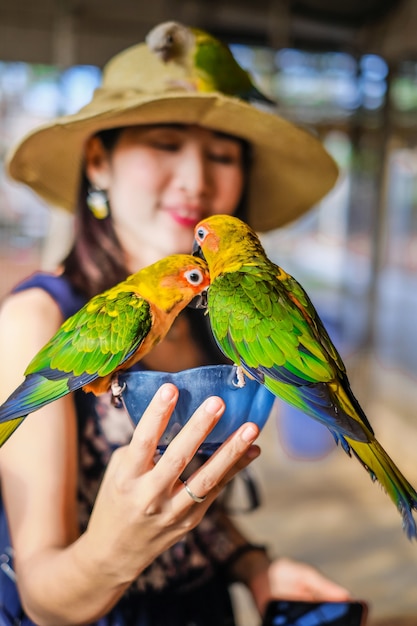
(347, 71)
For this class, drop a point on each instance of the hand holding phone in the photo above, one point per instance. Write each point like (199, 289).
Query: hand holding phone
(300, 613)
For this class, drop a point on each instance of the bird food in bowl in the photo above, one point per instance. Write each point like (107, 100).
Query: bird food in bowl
(250, 403)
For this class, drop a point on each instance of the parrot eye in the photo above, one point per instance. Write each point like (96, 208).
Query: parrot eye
(194, 277)
(201, 233)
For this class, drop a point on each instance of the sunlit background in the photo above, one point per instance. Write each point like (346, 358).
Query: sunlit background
(355, 252)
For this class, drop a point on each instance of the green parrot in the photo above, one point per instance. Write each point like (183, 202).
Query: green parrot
(209, 62)
(263, 321)
(112, 332)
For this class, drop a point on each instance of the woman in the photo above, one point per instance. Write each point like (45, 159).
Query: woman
(98, 528)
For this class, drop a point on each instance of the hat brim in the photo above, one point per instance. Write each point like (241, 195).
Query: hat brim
(291, 171)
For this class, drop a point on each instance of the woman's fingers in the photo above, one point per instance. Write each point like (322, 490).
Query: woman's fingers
(207, 482)
(141, 498)
(235, 454)
(182, 449)
(142, 448)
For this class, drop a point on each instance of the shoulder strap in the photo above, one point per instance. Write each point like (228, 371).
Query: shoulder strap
(58, 287)
(11, 611)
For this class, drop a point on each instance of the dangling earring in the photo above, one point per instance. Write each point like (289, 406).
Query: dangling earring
(98, 203)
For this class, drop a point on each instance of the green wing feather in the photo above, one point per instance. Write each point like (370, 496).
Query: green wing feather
(218, 67)
(98, 338)
(270, 329)
(90, 344)
(277, 336)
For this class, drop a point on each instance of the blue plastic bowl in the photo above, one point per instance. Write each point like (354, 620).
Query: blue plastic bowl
(251, 403)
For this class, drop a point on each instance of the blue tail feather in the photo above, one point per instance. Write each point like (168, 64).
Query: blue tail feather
(34, 393)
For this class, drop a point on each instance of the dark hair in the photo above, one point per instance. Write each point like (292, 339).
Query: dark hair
(96, 261)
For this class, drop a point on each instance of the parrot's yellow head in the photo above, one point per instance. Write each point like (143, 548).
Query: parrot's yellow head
(223, 241)
(184, 272)
(170, 40)
(173, 282)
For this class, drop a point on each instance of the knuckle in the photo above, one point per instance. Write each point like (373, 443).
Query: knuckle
(142, 442)
(151, 509)
(188, 523)
(117, 470)
(177, 463)
(121, 485)
(207, 484)
(235, 452)
(201, 425)
(170, 519)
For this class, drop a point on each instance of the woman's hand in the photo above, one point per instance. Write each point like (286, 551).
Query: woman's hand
(293, 580)
(287, 579)
(143, 507)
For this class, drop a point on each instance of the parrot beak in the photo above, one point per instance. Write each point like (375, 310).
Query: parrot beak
(164, 53)
(200, 301)
(197, 251)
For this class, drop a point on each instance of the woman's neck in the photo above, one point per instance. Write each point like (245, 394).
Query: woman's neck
(178, 351)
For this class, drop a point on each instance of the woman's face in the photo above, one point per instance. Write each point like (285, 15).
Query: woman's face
(161, 181)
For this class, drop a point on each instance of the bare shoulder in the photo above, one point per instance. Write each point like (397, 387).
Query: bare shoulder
(32, 306)
(38, 462)
(27, 321)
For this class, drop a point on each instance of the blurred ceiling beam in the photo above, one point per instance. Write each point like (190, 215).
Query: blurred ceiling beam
(91, 31)
(395, 38)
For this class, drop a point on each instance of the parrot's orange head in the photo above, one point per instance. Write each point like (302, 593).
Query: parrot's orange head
(190, 282)
(194, 278)
(173, 282)
(186, 273)
(220, 240)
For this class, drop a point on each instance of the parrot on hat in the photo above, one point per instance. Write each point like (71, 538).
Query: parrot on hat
(208, 61)
(263, 321)
(111, 332)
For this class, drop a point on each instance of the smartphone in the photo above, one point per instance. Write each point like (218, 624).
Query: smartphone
(297, 613)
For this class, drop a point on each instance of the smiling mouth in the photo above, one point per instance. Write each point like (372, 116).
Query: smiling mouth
(185, 217)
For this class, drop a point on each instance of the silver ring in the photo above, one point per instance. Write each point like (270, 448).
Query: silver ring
(198, 499)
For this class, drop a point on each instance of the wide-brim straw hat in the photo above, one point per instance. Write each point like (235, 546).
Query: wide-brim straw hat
(291, 170)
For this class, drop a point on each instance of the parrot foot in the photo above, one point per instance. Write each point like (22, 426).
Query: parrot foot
(240, 377)
(116, 392)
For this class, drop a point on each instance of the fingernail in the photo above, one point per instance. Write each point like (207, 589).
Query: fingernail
(253, 452)
(213, 405)
(250, 433)
(167, 393)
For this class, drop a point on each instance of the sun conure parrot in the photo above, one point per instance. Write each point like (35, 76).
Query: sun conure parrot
(112, 332)
(263, 321)
(208, 62)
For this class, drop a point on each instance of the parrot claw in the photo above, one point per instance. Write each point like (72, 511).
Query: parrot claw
(240, 377)
(117, 391)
